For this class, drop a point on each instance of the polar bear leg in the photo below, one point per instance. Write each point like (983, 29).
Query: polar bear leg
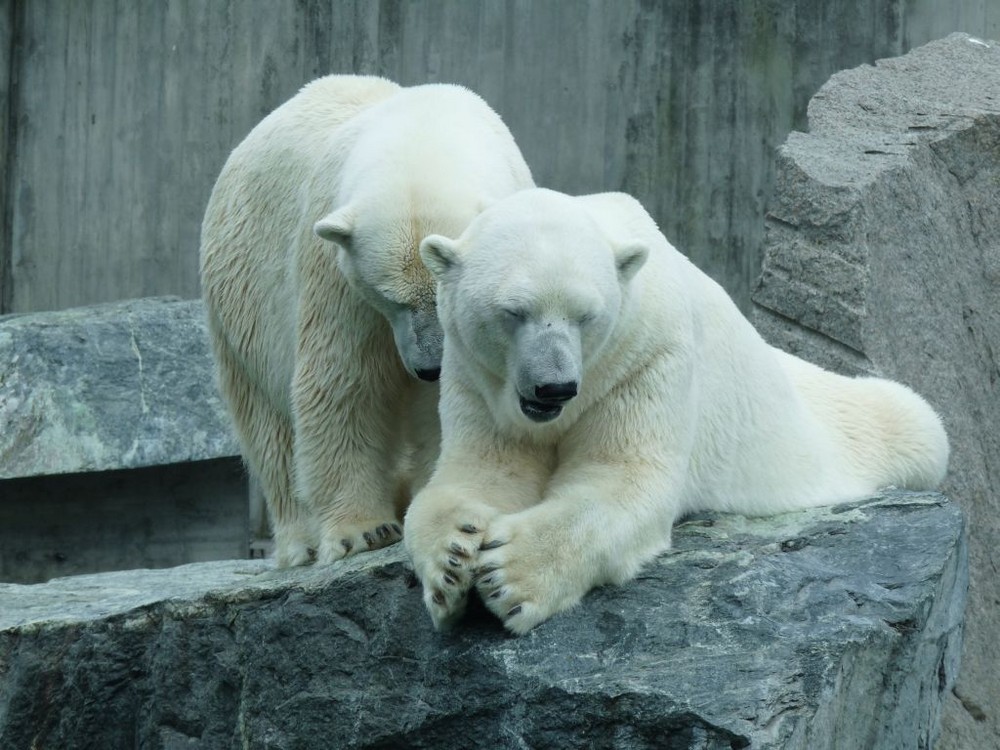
(343, 461)
(420, 435)
(346, 442)
(266, 438)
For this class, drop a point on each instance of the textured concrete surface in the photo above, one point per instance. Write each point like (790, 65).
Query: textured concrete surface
(829, 629)
(123, 113)
(883, 255)
(114, 386)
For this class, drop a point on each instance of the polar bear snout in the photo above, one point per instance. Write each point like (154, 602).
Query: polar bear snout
(556, 393)
(418, 338)
(548, 369)
(548, 401)
(430, 374)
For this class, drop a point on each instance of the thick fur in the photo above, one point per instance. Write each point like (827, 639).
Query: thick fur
(320, 311)
(681, 406)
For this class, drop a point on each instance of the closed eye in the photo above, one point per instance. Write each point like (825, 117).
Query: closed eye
(513, 313)
(586, 318)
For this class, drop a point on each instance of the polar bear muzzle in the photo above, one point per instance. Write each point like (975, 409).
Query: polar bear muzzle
(549, 401)
(419, 341)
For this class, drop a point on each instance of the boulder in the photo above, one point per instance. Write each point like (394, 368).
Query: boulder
(115, 448)
(882, 256)
(113, 386)
(834, 628)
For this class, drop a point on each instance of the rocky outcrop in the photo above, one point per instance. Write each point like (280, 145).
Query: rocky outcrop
(832, 628)
(115, 449)
(883, 256)
(115, 386)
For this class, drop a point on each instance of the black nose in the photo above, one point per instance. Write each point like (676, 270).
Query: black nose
(555, 393)
(429, 375)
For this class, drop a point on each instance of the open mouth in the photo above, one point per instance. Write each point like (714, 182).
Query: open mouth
(536, 411)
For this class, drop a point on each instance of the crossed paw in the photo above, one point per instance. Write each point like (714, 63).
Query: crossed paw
(448, 569)
(506, 565)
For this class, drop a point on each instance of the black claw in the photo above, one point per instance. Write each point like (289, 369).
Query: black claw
(457, 549)
(479, 575)
(450, 579)
(369, 539)
(491, 545)
(438, 598)
(454, 563)
(397, 528)
(382, 531)
(485, 581)
(496, 594)
(347, 544)
(514, 611)
(468, 528)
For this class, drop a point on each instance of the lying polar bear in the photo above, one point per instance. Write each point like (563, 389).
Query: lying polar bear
(596, 386)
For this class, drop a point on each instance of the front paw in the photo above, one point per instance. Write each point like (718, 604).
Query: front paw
(524, 581)
(445, 555)
(344, 540)
(448, 575)
(293, 544)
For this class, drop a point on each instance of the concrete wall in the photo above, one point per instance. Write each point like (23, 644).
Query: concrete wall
(121, 113)
(154, 517)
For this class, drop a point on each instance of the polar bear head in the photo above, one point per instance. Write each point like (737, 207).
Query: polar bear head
(377, 253)
(530, 295)
(378, 244)
(423, 161)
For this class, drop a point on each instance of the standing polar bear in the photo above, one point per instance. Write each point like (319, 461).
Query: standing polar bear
(596, 386)
(322, 316)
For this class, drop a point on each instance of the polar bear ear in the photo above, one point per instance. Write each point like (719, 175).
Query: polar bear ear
(629, 258)
(440, 255)
(337, 227)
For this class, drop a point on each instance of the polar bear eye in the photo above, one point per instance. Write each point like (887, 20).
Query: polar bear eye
(513, 313)
(585, 318)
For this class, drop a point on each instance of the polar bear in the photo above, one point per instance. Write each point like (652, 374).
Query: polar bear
(321, 314)
(596, 386)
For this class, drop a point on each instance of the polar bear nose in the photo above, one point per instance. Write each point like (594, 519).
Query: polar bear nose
(556, 393)
(430, 375)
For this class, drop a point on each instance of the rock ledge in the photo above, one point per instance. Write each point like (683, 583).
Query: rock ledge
(833, 628)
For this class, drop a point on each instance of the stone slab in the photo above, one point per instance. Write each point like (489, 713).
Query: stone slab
(882, 256)
(114, 386)
(831, 628)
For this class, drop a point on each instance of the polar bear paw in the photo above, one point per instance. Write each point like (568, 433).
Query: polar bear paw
(444, 548)
(291, 553)
(447, 571)
(294, 544)
(522, 580)
(344, 540)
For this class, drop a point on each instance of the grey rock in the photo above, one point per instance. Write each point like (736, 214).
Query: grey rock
(831, 628)
(115, 386)
(883, 256)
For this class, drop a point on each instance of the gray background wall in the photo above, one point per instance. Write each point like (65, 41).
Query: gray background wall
(116, 115)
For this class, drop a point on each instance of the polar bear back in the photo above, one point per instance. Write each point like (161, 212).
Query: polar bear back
(416, 152)
(776, 432)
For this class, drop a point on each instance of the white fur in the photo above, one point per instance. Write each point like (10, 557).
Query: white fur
(317, 342)
(681, 406)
